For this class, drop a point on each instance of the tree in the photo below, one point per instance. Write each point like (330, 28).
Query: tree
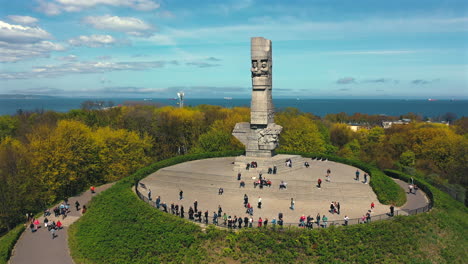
(15, 197)
(300, 134)
(340, 134)
(64, 159)
(121, 152)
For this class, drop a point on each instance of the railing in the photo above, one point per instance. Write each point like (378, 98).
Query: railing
(221, 223)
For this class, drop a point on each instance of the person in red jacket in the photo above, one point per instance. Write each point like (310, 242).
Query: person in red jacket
(92, 189)
(59, 224)
(260, 222)
(372, 205)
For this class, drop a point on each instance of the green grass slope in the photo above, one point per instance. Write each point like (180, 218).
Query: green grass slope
(119, 228)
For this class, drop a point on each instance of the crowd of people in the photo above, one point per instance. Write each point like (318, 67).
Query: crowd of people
(223, 218)
(54, 224)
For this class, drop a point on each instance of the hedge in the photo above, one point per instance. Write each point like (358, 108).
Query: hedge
(387, 191)
(8, 241)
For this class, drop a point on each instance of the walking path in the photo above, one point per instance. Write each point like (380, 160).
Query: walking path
(414, 200)
(39, 247)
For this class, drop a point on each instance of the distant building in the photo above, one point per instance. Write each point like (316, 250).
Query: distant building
(358, 126)
(389, 124)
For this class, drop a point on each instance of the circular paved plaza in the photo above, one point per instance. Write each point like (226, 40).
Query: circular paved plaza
(201, 179)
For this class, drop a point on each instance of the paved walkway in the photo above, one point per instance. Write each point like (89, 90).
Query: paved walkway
(39, 247)
(413, 200)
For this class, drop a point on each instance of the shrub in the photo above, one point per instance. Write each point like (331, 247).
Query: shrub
(8, 241)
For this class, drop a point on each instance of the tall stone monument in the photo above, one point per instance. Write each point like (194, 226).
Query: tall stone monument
(260, 136)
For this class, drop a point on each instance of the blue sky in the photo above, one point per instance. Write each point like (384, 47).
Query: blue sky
(151, 48)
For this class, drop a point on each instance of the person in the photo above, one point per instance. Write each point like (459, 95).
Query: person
(415, 188)
(220, 210)
(239, 175)
(172, 208)
(357, 175)
(325, 221)
(260, 221)
(158, 202)
(181, 195)
(306, 164)
(215, 218)
(239, 220)
(33, 229)
(259, 202)
(368, 217)
(164, 206)
(46, 222)
(309, 222)
(59, 224)
(195, 206)
(265, 222)
(182, 211)
(282, 185)
(46, 212)
(149, 195)
(190, 213)
(319, 182)
(338, 207)
(318, 219)
(206, 217)
(199, 216)
(365, 178)
(84, 209)
(250, 221)
(247, 167)
(246, 200)
(92, 189)
(274, 169)
(372, 205)
(346, 220)
(270, 170)
(220, 191)
(36, 223)
(225, 218)
(177, 209)
(273, 222)
(77, 205)
(292, 204)
(246, 221)
(328, 172)
(302, 221)
(242, 184)
(52, 231)
(392, 210)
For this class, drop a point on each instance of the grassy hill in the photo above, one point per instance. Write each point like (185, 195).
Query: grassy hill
(120, 228)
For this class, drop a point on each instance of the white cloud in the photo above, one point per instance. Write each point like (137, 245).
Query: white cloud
(23, 19)
(70, 57)
(12, 52)
(373, 52)
(92, 41)
(291, 28)
(48, 71)
(21, 34)
(22, 42)
(55, 7)
(130, 25)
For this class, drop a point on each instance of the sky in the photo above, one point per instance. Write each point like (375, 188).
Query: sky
(156, 48)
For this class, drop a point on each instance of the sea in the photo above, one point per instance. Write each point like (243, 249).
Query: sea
(318, 107)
